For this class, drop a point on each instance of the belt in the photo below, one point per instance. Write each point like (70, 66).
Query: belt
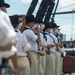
(57, 50)
(33, 51)
(51, 52)
(21, 56)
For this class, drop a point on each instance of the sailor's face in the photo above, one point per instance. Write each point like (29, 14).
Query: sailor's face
(48, 30)
(42, 26)
(4, 9)
(32, 24)
(55, 30)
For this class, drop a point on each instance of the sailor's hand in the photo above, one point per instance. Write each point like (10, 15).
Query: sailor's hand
(52, 45)
(56, 44)
(41, 53)
(60, 45)
(15, 72)
(64, 54)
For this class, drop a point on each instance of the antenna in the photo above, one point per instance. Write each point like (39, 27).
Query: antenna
(72, 26)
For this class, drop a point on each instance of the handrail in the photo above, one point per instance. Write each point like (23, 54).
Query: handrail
(6, 66)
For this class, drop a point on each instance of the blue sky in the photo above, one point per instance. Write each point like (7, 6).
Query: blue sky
(66, 22)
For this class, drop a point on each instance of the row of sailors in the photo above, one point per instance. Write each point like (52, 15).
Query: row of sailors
(38, 49)
(28, 47)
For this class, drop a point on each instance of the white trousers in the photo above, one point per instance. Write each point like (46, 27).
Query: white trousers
(23, 66)
(50, 64)
(40, 69)
(43, 58)
(58, 63)
(34, 65)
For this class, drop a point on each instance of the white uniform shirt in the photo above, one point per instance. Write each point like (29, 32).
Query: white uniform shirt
(6, 30)
(50, 41)
(31, 37)
(7, 34)
(43, 41)
(56, 41)
(54, 37)
(22, 45)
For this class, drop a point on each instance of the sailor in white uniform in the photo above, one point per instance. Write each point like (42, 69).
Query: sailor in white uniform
(43, 46)
(59, 49)
(23, 54)
(50, 58)
(7, 34)
(32, 39)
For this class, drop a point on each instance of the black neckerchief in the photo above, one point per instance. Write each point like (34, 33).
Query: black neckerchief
(16, 31)
(50, 36)
(27, 28)
(44, 33)
(56, 37)
(41, 32)
(36, 34)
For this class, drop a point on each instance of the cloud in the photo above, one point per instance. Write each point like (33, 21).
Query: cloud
(23, 1)
(26, 1)
(14, 0)
(65, 3)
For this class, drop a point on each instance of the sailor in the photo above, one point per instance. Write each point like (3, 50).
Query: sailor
(32, 39)
(7, 34)
(23, 48)
(50, 57)
(37, 31)
(4, 5)
(59, 48)
(23, 53)
(43, 45)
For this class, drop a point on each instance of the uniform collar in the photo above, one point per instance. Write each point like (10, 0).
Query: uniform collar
(53, 33)
(47, 32)
(17, 30)
(41, 31)
(28, 27)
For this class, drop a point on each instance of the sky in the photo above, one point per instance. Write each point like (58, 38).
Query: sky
(66, 22)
